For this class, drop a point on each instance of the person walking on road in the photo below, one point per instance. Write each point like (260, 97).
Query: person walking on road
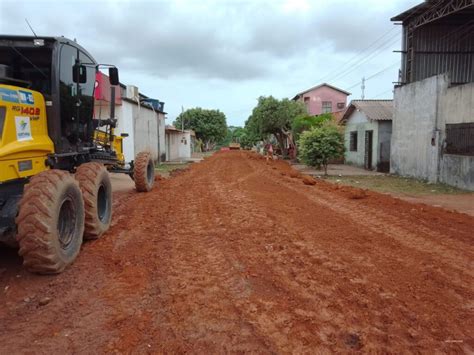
(269, 151)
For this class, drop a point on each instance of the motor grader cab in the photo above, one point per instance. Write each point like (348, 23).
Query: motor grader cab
(55, 158)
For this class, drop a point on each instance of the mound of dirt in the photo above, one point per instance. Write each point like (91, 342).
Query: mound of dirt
(308, 180)
(357, 194)
(294, 174)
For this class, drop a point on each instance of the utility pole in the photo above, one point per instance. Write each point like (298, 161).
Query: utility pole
(182, 118)
(363, 88)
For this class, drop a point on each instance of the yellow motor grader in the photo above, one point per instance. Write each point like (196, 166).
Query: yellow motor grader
(55, 158)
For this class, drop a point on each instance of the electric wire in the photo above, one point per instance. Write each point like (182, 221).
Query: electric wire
(356, 56)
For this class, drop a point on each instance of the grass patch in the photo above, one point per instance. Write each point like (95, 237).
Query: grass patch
(165, 169)
(396, 184)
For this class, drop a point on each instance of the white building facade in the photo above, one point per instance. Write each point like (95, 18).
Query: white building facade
(433, 132)
(144, 125)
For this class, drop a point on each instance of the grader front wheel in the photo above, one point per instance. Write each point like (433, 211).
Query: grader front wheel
(96, 187)
(144, 172)
(50, 222)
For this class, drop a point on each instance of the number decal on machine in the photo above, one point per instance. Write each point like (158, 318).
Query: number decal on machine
(26, 97)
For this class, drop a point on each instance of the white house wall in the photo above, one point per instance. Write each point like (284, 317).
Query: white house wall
(125, 125)
(146, 131)
(161, 137)
(141, 124)
(414, 122)
(178, 145)
(358, 122)
(421, 111)
(456, 106)
(123, 114)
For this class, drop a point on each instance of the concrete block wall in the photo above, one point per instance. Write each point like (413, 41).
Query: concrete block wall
(421, 111)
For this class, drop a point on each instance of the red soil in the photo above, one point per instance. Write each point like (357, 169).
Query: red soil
(239, 255)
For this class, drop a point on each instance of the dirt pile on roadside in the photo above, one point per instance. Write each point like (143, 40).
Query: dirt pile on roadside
(308, 180)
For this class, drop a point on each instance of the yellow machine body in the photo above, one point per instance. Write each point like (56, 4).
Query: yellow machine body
(24, 140)
(103, 138)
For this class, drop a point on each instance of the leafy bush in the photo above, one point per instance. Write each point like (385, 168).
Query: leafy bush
(321, 144)
(305, 122)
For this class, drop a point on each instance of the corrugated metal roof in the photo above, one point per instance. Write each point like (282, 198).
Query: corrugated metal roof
(171, 128)
(438, 38)
(415, 10)
(377, 110)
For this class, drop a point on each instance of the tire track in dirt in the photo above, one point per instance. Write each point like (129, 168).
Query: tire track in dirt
(417, 236)
(233, 255)
(377, 222)
(357, 280)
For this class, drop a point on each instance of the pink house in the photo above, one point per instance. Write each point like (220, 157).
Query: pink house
(323, 98)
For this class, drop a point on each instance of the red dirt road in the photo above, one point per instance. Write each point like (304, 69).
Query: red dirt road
(236, 255)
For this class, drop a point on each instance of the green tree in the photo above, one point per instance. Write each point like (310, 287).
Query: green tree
(273, 116)
(210, 125)
(234, 134)
(305, 122)
(321, 144)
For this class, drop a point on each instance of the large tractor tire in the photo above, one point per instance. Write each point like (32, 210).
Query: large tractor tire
(144, 172)
(96, 187)
(50, 222)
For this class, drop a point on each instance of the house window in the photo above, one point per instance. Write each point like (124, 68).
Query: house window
(341, 105)
(327, 106)
(306, 100)
(460, 138)
(353, 141)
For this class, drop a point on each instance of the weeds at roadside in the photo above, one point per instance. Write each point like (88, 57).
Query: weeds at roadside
(395, 184)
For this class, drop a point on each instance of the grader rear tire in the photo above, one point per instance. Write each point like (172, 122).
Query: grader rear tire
(50, 222)
(144, 172)
(94, 181)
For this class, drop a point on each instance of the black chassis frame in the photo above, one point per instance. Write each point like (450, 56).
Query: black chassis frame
(10, 195)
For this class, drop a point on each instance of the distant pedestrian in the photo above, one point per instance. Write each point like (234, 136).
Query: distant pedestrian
(269, 151)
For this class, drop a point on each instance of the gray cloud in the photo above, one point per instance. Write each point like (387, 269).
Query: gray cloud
(226, 40)
(217, 52)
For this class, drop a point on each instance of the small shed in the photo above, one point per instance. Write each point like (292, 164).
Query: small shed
(367, 133)
(180, 144)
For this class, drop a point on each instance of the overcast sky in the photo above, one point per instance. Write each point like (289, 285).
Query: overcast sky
(225, 54)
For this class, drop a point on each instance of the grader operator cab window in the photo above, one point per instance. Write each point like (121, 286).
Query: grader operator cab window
(76, 86)
(27, 67)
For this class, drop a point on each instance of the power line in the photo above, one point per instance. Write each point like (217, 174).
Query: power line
(383, 93)
(356, 56)
(374, 75)
(371, 56)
